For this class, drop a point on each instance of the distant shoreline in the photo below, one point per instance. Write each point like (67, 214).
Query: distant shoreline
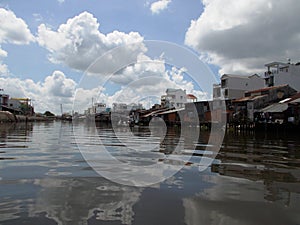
(11, 118)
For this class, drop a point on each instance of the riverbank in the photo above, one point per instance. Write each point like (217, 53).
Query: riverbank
(9, 117)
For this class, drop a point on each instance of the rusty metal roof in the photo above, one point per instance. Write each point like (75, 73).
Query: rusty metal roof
(249, 98)
(267, 88)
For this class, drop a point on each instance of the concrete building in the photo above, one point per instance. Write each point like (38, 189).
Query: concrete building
(14, 104)
(174, 98)
(3, 100)
(234, 86)
(120, 107)
(279, 73)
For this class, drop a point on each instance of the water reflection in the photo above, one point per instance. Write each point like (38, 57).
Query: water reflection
(70, 200)
(273, 160)
(86, 199)
(139, 158)
(45, 180)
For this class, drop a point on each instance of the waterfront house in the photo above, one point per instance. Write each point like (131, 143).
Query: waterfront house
(285, 111)
(198, 111)
(206, 112)
(17, 106)
(254, 101)
(234, 86)
(279, 73)
(172, 103)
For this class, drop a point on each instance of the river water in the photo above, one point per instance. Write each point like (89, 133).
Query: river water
(45, 180)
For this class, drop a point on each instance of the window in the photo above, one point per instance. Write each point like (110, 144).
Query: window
(226, 92)
(217, 93)
(224, 83)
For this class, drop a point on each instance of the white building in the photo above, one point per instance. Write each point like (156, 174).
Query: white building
(120, 107)
(279, 73)
(174, 98)
(99, 108)
(14, 103)
(234, 86)
(134, 106)
(123, 107)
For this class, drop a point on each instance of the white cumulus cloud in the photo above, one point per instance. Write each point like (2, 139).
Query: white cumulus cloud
(3, 69)
(78, 43)
(158, 6)
(241, 36)
(144, 80)
(56, 89)
(13, 30)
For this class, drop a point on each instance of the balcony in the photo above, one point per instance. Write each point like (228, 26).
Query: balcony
(269, 78)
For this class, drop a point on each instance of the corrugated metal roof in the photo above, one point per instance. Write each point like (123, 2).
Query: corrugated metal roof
(170, 111)
(191, 96)
(276, 107)
(151, 113)
(297, 100)
(161, 111)
(267, 88)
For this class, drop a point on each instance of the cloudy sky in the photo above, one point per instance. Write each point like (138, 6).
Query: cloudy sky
(72, 51)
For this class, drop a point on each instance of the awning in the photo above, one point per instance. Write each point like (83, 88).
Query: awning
(154, 112)
(277, 107)
(249, 98)
(295, 101)
(11, 109)
(171, 111)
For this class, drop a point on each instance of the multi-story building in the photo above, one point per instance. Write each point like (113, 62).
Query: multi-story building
(234, 86)
(174, 98)
(99, 108)
(279, 73)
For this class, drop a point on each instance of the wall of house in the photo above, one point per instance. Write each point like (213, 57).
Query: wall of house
(175, 98)
(237, 85)
(4, 99)
(217, 91)
(291, 76)
(249, 83)
(13, 103)
(234, 93)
